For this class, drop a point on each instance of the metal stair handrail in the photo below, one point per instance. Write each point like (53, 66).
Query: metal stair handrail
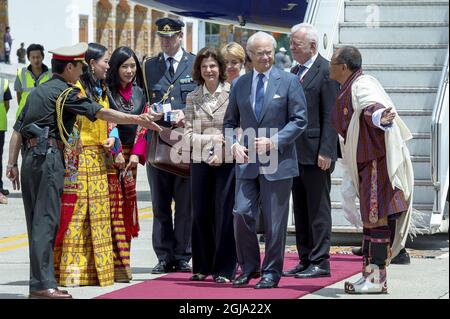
(439, 119)
(311, 11)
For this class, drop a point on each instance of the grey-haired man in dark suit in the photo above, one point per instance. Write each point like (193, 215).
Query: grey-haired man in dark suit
(316, 150)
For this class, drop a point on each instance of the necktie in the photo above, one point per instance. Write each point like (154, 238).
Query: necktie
(259, 97)
(300, 71)
(171, 69)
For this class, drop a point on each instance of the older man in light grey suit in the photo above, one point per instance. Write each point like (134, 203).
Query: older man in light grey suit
(270, 107)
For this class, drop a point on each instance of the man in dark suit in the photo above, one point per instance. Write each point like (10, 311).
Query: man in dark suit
(316, 150)
(168, 77)
(270, 107)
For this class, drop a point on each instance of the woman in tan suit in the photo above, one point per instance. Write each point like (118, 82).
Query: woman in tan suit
(212, 180)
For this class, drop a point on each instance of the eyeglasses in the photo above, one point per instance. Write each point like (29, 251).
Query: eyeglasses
(260, 54)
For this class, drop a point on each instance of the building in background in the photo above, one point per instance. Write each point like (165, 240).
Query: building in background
(112, 23)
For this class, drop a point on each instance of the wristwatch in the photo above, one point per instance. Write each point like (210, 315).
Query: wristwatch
(11, 165)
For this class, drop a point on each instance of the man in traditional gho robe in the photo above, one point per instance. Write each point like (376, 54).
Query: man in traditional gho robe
(379, 164)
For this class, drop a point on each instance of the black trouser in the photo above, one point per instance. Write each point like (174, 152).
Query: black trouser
(312, 213)
(42, 187)
(213, 245)
(7, 54)
(171, 240)
(2, 143)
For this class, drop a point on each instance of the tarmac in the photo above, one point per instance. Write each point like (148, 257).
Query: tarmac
(427, 277)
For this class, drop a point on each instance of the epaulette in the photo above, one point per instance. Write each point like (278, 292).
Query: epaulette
(151, 58)
(60, 101)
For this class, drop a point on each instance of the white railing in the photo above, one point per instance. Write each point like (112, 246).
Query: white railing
(326, 15)
(311, 11)
(440, 149)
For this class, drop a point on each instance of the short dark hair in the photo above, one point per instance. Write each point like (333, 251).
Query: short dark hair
(35, 47)
(206, 53)
(349, 56)
(119, 56)
(58, 66)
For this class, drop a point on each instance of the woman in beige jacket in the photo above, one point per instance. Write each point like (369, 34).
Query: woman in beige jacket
(212, 179)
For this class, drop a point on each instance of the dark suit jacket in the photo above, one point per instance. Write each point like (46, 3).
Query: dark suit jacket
(158, 81)
(321, 93)
(284, 109)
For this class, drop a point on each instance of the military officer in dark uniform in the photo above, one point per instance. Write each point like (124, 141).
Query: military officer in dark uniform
(170, 73)
(49, 115)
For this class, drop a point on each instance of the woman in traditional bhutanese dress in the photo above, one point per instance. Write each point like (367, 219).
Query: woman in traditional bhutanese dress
(84, 248)
(125, 84)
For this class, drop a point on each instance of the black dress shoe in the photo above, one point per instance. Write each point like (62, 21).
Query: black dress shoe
(4, 192)
(299, 268)
(402, 258)
(314, 271)
(244, 279)
(182, 266)
(162, 267)
(266, 283)
(357, 251)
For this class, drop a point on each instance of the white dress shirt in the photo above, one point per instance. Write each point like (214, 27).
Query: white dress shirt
(308, 64)
(255, 84)
(176, 59)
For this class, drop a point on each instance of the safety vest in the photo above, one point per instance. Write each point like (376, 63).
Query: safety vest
(28, 84)
(3, 119)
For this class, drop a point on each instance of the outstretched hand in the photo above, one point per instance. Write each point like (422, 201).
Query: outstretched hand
(387, 117)
(147, 122)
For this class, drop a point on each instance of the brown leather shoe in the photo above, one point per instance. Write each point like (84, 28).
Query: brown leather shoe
(49, 294)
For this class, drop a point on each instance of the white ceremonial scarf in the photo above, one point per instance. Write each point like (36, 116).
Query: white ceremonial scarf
(366, 90)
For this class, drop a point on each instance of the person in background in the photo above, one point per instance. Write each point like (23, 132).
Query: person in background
(7, 43)
(28, 78)
(234, 56)
(248, 65)
(21, 53)
(212, 180)
(5, 97)
(282, 60)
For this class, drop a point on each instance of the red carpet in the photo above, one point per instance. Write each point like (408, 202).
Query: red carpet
(178, 285)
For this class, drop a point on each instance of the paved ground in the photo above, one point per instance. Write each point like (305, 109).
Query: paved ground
(426, 278)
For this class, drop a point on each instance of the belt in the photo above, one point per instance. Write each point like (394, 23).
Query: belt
(52, 142)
